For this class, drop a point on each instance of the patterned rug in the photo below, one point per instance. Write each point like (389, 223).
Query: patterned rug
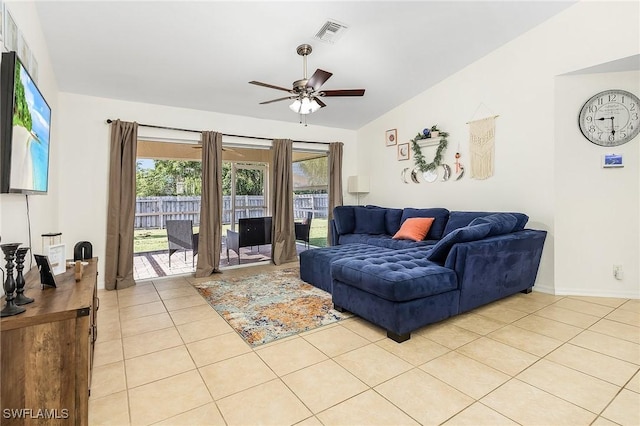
(270, 305)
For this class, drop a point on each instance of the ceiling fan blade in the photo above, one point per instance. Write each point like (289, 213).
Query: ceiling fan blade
(318, 78)
(322, 104)
(346, 92)
(277, 100)
(271, 86)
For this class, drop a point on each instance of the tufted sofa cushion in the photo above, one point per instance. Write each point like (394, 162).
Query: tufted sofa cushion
(360, 238)
(314, 264)
(388, 242)
(397, 276)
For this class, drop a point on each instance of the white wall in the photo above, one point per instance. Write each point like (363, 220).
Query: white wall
(84, 155)
(43, 208)
(517, 82)
(597, 217)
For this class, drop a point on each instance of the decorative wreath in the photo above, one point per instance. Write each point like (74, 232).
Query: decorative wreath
(417, 152)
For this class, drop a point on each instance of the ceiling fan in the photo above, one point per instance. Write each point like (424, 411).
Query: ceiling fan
(306, 92)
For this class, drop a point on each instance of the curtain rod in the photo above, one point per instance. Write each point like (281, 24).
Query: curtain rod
(154, 126)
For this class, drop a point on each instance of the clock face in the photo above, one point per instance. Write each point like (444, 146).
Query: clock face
(610, 118)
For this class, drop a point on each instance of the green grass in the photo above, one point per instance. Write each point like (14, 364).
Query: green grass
(318, 233)
(156, 239)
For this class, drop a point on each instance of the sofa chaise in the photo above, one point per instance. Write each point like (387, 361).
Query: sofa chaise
(465, 260)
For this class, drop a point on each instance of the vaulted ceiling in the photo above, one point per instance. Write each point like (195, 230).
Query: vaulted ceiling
(202, 54)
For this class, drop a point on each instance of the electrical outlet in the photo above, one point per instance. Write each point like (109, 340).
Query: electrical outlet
(617, 272)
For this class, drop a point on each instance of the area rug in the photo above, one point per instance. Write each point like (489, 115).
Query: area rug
(270, 305)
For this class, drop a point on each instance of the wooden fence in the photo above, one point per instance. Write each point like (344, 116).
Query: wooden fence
(153, 212)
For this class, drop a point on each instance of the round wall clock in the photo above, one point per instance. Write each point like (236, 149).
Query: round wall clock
(610, 118)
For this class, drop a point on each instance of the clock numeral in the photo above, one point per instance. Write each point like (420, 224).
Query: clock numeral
(600, 135)
(589, 118)
(634, 116)
(612, 97)
(623, 135)
(593, 109)
(633, 106)
(600, 101)
(592, 129)
(612, 138)
(622, 99)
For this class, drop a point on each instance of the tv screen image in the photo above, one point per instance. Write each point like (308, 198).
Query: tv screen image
(25, 120)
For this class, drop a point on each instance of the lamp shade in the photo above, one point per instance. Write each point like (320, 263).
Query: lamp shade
(358, 184)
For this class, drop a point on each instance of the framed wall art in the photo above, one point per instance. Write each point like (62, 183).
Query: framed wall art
(391, 137)
(24, 53)
(10, 31)
(1, 20)
(403, 151)
(612, 161)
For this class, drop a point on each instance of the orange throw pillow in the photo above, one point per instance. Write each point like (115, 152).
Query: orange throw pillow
(414, 228)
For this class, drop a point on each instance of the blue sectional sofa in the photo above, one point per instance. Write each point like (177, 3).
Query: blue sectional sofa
(466, 260)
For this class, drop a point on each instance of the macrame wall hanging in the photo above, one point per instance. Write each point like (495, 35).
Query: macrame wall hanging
(482, 135)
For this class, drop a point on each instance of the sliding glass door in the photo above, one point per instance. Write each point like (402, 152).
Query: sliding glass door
(310, 194)
(245, 191)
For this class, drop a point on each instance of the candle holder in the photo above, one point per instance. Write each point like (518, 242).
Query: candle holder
(21, 299)
(10, 283)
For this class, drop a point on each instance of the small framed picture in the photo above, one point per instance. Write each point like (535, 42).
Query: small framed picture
(57, 258)
(403, 151)
(24, 53)
(33, 70)
(612, 160)
(391, 137)
(46, 276)
(10, 31)
(1, 19)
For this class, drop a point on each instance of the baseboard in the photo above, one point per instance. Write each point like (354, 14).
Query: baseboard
(599, 293)
(587, 292)
(544, 289)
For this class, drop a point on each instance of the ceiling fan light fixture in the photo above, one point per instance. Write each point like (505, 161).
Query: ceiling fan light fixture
(295, 106)
(304, 106)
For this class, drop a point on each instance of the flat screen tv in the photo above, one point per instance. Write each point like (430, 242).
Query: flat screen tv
(25, 123)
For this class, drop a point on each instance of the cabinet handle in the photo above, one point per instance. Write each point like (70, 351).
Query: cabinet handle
(97, 303)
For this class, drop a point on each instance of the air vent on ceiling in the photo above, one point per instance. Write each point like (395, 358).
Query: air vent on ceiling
(331, 31)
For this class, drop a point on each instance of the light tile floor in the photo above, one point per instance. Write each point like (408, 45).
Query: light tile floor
(163, 356)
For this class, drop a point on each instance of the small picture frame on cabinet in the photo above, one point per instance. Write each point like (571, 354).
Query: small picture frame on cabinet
(391, 137)
(46, 274)
(57, 259)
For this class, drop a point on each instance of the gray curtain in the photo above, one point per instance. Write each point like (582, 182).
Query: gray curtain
(283, 236)
(121, 207)
(210, 239)
(335, 182)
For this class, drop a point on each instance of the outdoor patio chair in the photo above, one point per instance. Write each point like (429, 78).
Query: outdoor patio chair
(303, 229)
(252, 231)
(181, 237)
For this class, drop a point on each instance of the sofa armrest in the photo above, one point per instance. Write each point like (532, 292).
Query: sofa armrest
(496, 267)
(335, 237)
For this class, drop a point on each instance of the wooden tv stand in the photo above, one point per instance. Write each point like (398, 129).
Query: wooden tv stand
(46, 352)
